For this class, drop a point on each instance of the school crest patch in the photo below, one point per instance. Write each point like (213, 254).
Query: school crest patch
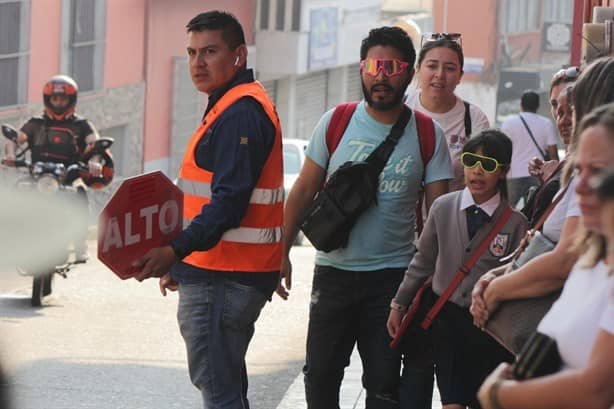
(498, 247)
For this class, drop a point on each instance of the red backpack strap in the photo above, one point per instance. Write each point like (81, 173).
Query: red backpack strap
(338, 123)
(466, 268)
(426, 139)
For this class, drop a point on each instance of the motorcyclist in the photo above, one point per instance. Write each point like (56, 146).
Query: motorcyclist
(60, 136)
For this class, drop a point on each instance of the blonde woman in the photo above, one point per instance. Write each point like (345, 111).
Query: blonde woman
(582, 320)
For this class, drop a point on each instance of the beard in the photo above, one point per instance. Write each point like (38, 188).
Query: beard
(397, 96)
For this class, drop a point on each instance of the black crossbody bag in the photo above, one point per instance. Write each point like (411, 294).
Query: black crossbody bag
(348, 192)
(539, 357)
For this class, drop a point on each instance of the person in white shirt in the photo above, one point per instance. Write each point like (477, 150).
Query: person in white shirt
(532, 135)
(581, 321)
(438, 72)
(605, 191)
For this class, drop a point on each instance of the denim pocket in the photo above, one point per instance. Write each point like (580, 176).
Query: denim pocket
(242, 305)
(194, 311)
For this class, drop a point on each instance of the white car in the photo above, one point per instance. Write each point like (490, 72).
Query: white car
(294, 157)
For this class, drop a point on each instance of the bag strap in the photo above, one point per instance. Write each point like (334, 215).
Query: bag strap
(532, 137)
(338, 123)
(380, 155)
(426, 138)
(467, 119)
(466, 269)
(551, 207)
(540, 191)
(343, 113)
(409, 315)
(540, 222)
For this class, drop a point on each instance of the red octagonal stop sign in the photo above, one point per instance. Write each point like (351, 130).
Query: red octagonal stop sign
(145, 212)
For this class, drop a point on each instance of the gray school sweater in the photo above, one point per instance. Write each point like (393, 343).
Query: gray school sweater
(444, 246)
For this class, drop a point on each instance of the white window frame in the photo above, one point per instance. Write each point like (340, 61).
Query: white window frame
(22, 54)
(558, 11)
(99, 43)
(519, 16)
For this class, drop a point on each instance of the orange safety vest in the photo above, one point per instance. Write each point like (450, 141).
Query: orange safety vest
(254, 246)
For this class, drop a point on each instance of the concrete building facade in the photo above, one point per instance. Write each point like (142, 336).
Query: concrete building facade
(509, 46)
(308, 55)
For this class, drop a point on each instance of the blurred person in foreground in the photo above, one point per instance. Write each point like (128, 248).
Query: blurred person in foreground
(581, 321)
(532, 135)
(225, 263)
(547, 272)
(4, 391)
(438, 72)
(604, 185)
(353, 286)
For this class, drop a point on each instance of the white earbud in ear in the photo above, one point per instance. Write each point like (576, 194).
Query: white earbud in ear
(237, 61)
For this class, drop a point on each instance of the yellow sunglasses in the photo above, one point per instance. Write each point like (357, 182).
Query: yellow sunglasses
(471, 160)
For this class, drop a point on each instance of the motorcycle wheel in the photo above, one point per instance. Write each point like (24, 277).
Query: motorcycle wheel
(37, 290)
(41, 287)
(47, 283)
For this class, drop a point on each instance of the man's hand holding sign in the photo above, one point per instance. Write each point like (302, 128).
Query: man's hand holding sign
(136, 227)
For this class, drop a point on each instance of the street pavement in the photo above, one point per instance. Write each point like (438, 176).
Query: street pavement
(102, 343)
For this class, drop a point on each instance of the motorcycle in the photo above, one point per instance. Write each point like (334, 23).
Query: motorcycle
(53, 184)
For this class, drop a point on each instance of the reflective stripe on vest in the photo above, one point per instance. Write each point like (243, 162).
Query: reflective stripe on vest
(259, 196)
(252, 235)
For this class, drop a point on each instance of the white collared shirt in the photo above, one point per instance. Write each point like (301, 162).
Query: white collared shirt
(488, 206)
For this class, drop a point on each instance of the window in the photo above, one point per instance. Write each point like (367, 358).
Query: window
(85, 61)
(14, 51)
(519, 16)
(280, 17)
(559, 11)
(264, 14)
(296, 15)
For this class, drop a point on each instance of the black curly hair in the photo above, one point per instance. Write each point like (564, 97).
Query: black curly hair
(390, 36)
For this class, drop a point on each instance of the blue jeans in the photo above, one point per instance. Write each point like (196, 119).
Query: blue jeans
(347, 308)
(216, 319)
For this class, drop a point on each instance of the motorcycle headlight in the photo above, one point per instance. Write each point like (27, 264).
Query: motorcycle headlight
(59, 169)
(37, 168)
(47, 184)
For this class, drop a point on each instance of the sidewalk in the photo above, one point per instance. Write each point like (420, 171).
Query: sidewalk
(352, 393)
